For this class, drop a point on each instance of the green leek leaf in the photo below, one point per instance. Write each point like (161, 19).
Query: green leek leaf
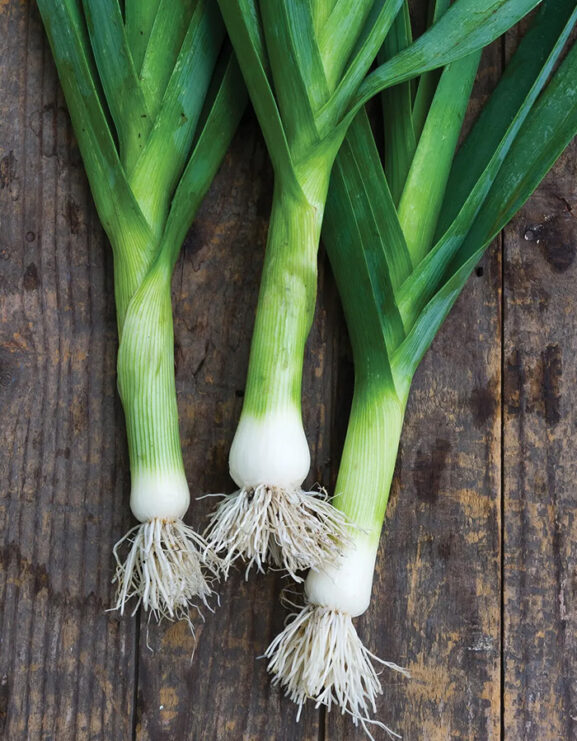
(164, 156)
(297, 70)
(242, 19)
(340, 31)
(428, 81)
(377, 26)
(356, 186)
(167, 34)
(424, 188)
(139, 18)
(474, 154)
(117, 74)
(397, 106)
(420, 287)
(224, 110)
(117, 208)
(467, 26)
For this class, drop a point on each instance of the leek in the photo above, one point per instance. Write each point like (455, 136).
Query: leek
(399, 270)
(306, 66)
(154, 99)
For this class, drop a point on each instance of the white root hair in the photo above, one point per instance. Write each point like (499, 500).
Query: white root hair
(319, 656)
(293, 529)
(163, 569)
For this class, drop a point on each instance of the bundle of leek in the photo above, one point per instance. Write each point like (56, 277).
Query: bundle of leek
(305, 65)
(154, 99)
(399, 269)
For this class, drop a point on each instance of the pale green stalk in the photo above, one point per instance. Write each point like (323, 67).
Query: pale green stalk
(286, 304)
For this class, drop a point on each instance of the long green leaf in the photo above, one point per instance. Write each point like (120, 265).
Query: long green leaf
(356, 280)
(139, 18)
(405, 360)
(321, 10)
(428, 81)
(353, 220)
(364, 163)
(225, 109)
(113, 197)
(166, 37)
(424, 189)
(338, 35)
(548, 129)
(297, 70)
(119, 80)
(242, 22)
(466, 27)
(163, 159)
(397, 104)
(473, 156)
(377, 26)
(419, 288)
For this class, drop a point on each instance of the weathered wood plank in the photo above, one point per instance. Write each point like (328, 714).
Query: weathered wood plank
(540, 540)
(68, 670)
(66, 665)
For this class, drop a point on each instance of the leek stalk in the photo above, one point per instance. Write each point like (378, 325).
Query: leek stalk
(395, 299)
(154, 99)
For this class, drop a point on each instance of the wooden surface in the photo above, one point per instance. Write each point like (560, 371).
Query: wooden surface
(476, 588)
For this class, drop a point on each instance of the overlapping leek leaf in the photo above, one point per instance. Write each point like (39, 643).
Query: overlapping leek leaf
(428, 81)
(154, 97)
(466, 27)
(397, 105)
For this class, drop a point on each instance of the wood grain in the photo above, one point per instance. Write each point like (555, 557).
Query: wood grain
(67, 666)
(540, 353)
(475, 586)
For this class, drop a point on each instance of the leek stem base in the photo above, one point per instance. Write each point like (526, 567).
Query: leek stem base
(294, 529)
